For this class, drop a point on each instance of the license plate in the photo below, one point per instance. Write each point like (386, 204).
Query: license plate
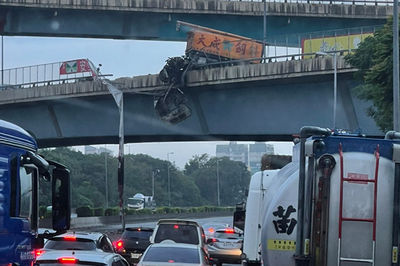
(229, 245)
(136, 255)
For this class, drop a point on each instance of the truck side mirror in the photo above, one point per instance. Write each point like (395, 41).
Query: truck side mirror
(61, 199)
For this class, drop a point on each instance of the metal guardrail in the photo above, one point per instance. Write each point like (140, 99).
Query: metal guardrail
(121, 3)
(39, 75)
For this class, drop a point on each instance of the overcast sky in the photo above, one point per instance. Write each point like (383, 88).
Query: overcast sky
(122, 58)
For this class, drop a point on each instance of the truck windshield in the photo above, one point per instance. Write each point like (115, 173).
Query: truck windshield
(25, 207)
(133, 201)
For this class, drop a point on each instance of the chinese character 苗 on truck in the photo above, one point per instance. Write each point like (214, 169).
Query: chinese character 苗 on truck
(206, 45)
(20, 170)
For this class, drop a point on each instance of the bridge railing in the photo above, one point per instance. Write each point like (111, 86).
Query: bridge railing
(39, 75)
(121, 3)
(328, 2)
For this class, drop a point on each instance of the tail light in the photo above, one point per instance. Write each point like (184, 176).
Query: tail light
(38, 252)
(67, 260)
(119, 244)
(70, 238)
(214, 240)
(176, 226)
(229, 231)
(211, 230)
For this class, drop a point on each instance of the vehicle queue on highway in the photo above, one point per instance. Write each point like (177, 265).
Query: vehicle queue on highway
(171, 242)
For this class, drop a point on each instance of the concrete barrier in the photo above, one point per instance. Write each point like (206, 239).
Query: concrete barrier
(102, 221)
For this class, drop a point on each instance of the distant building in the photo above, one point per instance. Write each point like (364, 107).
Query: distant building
(94, 150)
(234, 151)
(256, 151)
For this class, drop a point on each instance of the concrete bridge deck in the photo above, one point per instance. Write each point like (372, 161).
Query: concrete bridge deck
(249, 102)
(129, 19)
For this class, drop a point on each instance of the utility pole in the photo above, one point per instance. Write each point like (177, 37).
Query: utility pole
(265, 29)
(169, 180)
(218, 198)
(106, 172)
(396, 111)
(119, 100)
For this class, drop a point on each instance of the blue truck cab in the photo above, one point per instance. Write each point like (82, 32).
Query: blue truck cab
(20, 170)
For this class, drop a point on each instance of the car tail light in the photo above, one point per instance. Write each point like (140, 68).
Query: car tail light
(176, 226)
(139, 229)
(119, 244)
(211, 230)
(229, 231)
(215, 240)
(38, 252)
(171, 261)
(70, 238)
(67, 260)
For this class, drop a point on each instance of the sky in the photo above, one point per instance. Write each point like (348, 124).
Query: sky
(122, 58)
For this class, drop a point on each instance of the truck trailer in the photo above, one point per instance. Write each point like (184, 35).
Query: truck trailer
(336, 203)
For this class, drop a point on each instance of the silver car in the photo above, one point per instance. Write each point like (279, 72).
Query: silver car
(174, 254)
(79, 257)
(225, 246)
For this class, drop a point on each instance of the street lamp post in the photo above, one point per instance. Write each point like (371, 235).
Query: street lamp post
(169, 180)
(218, 198)
(106, 173)
(119, 100)
(154, 172)
(334, 83)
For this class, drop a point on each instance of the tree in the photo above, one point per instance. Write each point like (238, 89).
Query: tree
(234, 179)
(373, 59)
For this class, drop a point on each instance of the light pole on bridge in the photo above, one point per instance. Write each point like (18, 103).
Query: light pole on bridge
(169, 180)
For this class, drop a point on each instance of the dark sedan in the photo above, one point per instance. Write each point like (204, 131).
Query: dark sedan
(133, 243)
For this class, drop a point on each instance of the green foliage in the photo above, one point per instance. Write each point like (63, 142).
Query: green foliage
(85, 211)
(111, 211)
(374, 61)
(195, 186)
(98, 211)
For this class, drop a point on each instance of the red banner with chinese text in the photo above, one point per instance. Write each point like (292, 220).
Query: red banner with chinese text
(76, 66)
(224, 45)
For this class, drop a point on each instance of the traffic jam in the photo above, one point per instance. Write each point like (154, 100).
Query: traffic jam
(171, 242)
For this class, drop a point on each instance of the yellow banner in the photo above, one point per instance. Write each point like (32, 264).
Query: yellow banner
(282, 245)
(337, 43)
(223, 45)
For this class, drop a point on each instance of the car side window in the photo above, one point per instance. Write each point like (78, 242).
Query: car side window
(105, 244)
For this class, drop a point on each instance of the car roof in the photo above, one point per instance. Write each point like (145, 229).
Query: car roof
(82, 255)
(177, 221)
(82, 235)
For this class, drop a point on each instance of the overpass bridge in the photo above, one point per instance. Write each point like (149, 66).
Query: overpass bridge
(244, 102)
(287, 22)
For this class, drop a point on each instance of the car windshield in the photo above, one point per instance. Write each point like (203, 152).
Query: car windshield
(172, 254)
(137, 235)
(179, 233)
(78, 244)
